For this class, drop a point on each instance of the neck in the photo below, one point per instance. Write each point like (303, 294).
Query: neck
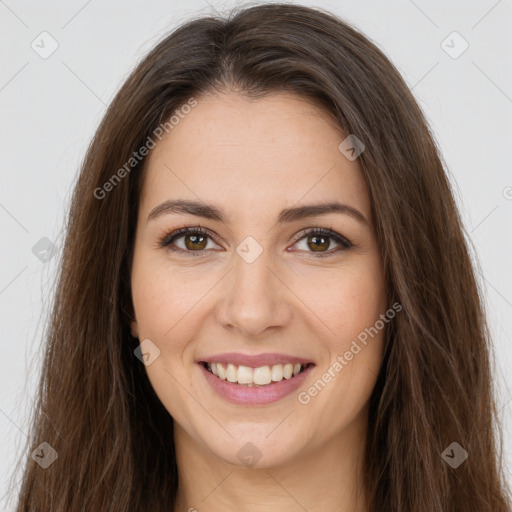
(326, 477)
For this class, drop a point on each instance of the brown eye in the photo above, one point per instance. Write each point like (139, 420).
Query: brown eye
(318, 241)
(195, 242)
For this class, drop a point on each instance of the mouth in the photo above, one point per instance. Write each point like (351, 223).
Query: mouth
(259, 377)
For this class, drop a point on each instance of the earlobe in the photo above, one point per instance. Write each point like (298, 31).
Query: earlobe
(134, 329)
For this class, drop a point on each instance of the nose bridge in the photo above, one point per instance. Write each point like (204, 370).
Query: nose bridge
(254, 298)
(252, 272)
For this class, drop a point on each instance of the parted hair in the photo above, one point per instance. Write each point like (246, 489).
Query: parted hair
(95, 406)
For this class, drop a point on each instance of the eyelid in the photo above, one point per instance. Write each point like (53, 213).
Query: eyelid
(329, 232)
(174, 234)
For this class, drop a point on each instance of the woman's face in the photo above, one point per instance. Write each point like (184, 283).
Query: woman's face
(260, 290)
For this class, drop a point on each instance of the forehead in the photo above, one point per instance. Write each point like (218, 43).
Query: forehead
(256, 152)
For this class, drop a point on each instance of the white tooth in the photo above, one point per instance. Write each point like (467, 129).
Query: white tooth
(231, 373)
(222, 371)
(262, 375)
(244, 375)
(277, 372)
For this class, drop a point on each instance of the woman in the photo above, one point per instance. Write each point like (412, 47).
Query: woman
(266, 300)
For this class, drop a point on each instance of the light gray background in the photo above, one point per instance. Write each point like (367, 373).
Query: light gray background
(51, 107)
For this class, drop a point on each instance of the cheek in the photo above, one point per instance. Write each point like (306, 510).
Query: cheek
(165, 298)
(360, 302)
(350, 305)
(152, 303)
(345, 301)
(164, 308)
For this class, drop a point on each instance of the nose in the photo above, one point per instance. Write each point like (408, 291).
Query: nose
(255, 298)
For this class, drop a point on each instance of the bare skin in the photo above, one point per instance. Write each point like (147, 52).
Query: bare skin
(252, 159)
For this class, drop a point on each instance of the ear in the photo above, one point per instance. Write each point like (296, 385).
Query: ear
(134, 328)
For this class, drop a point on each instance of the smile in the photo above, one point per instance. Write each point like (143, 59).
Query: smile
(265, 382)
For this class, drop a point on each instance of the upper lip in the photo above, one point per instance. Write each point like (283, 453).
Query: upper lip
(254, 361)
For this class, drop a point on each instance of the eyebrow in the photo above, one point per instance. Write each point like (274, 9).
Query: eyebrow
(212, 212)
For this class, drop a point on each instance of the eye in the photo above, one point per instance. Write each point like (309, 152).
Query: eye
(319, 239)
(195, 241)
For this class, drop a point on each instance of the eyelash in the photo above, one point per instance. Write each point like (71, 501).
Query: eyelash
(344, 243)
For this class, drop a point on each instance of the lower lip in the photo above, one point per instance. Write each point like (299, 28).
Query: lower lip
(244, 395)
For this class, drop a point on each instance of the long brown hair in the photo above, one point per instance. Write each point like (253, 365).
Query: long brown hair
(95, 406)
